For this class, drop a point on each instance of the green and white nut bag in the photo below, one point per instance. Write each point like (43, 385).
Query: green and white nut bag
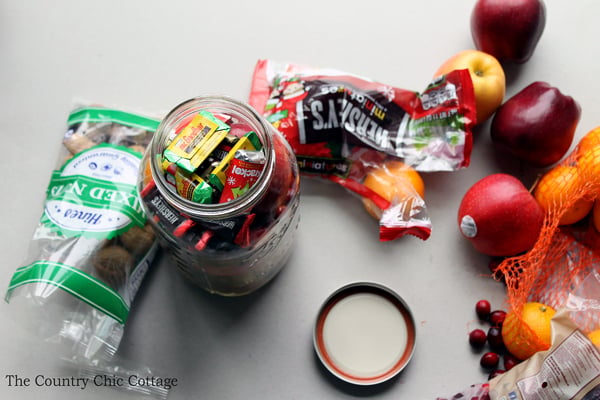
(92, 247)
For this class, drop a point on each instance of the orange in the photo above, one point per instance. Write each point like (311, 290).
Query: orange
(588, 157)
(589, 141)
(595, 337)
(557, 188)
(596, 215)
(529, 332)
(487, 75)
(394, 181)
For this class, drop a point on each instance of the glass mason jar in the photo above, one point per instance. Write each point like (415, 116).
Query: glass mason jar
(230, 247)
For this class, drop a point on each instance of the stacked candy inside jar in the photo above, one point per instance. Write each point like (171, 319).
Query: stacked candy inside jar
(207, 164)
(221, 189)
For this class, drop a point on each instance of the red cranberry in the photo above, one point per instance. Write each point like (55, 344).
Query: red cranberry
(494, 338)
(477, 338)
(493, 267)
(510, 361)
(489, 360)
(494, 263)
(497, 317)
(496, 373)
(483, 308)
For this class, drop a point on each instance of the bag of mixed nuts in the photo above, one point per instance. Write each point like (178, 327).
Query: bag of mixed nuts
(92, 246)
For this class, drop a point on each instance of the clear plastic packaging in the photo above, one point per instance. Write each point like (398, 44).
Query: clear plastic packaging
(92, 247)
(228, 246)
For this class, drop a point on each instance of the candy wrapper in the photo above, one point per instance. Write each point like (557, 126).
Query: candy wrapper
(479, 391)
(569, 370)
(343, 127)
(92, 247)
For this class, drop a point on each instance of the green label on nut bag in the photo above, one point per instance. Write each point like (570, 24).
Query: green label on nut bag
(76, 282)
(94, 194)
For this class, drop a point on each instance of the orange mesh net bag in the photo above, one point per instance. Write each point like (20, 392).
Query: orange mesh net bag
(568, 247)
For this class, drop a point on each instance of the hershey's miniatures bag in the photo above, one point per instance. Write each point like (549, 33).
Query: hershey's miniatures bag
(92, 246)
(343, 128)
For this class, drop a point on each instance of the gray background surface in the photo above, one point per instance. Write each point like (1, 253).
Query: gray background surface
(149, 56)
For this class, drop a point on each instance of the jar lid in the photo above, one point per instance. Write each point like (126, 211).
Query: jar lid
(364, 334)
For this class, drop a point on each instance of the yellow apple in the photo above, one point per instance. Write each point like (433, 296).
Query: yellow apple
(489, 82)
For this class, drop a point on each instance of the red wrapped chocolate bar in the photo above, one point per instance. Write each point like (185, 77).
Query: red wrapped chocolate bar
(343, 127)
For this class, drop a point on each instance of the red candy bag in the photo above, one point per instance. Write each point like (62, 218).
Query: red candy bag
(341, 127)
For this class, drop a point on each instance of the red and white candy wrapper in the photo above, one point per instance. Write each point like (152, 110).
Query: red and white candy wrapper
(241, 175)
(341, 126)
(479, 391)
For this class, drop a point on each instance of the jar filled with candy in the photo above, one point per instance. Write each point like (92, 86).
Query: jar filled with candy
(220, 187)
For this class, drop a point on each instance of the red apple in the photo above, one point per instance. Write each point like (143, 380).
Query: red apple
(508, 29)
(499, 216)
(536, 125)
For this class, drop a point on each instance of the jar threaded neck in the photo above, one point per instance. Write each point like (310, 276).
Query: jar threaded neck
(214, 104)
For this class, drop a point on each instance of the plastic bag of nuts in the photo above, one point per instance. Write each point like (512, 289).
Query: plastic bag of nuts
(92, 246)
